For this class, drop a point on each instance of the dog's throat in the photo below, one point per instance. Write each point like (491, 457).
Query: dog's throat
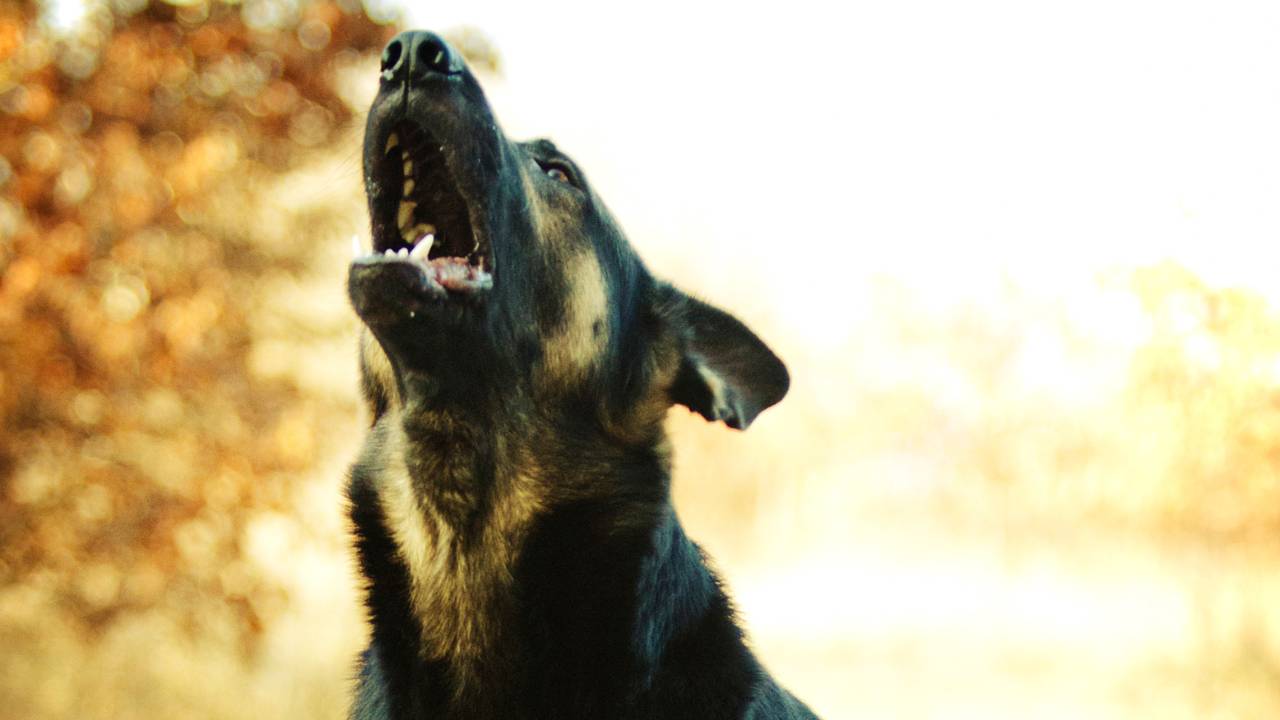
(452, 467)
(457, 537)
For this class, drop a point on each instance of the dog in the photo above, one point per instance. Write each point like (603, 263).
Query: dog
(511, 503)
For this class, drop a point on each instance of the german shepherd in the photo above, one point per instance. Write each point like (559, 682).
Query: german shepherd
(511, 503)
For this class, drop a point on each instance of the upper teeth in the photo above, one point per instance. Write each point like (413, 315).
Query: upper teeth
(412, 234)
(405, 213)
(421, 236)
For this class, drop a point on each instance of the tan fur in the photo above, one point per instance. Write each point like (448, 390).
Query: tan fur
(457, 594)
(642, 422)
(376, 363)
(573, 349)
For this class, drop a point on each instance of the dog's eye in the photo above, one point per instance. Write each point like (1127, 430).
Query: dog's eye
(557, 171)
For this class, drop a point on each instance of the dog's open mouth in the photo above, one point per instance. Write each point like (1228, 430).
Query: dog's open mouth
(421, 218)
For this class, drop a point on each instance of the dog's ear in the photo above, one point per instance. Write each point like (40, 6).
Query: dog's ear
(726, 372)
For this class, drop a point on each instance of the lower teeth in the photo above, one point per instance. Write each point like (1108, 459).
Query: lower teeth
(422, 250)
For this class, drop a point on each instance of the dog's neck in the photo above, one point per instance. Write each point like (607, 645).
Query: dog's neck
(456, 521)
(452, 462)
(523, 560)
(460, 496)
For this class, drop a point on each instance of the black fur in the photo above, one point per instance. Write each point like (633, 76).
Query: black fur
(511, 505)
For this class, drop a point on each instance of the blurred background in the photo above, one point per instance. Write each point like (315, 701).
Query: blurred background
(1020, 257)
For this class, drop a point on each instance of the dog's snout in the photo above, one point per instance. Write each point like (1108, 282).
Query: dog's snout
(416, 54)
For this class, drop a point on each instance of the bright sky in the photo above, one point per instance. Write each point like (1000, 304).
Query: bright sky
(944, 143)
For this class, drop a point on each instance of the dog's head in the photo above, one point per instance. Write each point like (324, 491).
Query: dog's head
(498, 274)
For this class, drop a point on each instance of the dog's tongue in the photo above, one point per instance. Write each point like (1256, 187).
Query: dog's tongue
(456, 274)
(452, 273)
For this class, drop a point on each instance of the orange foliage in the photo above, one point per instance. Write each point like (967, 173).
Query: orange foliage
(136, 440)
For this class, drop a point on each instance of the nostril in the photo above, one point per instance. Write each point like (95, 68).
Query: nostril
(432, 53)
(391, 55)
(414, 54)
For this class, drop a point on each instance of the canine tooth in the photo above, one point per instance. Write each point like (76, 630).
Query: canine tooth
(405, 214)
(356, 250)
(423, 248)
(393, 142)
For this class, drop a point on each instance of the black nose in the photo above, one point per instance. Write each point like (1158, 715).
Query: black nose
(414, 54)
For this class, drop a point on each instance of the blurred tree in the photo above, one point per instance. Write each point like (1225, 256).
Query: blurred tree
(1207, 387)
(137, 437)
